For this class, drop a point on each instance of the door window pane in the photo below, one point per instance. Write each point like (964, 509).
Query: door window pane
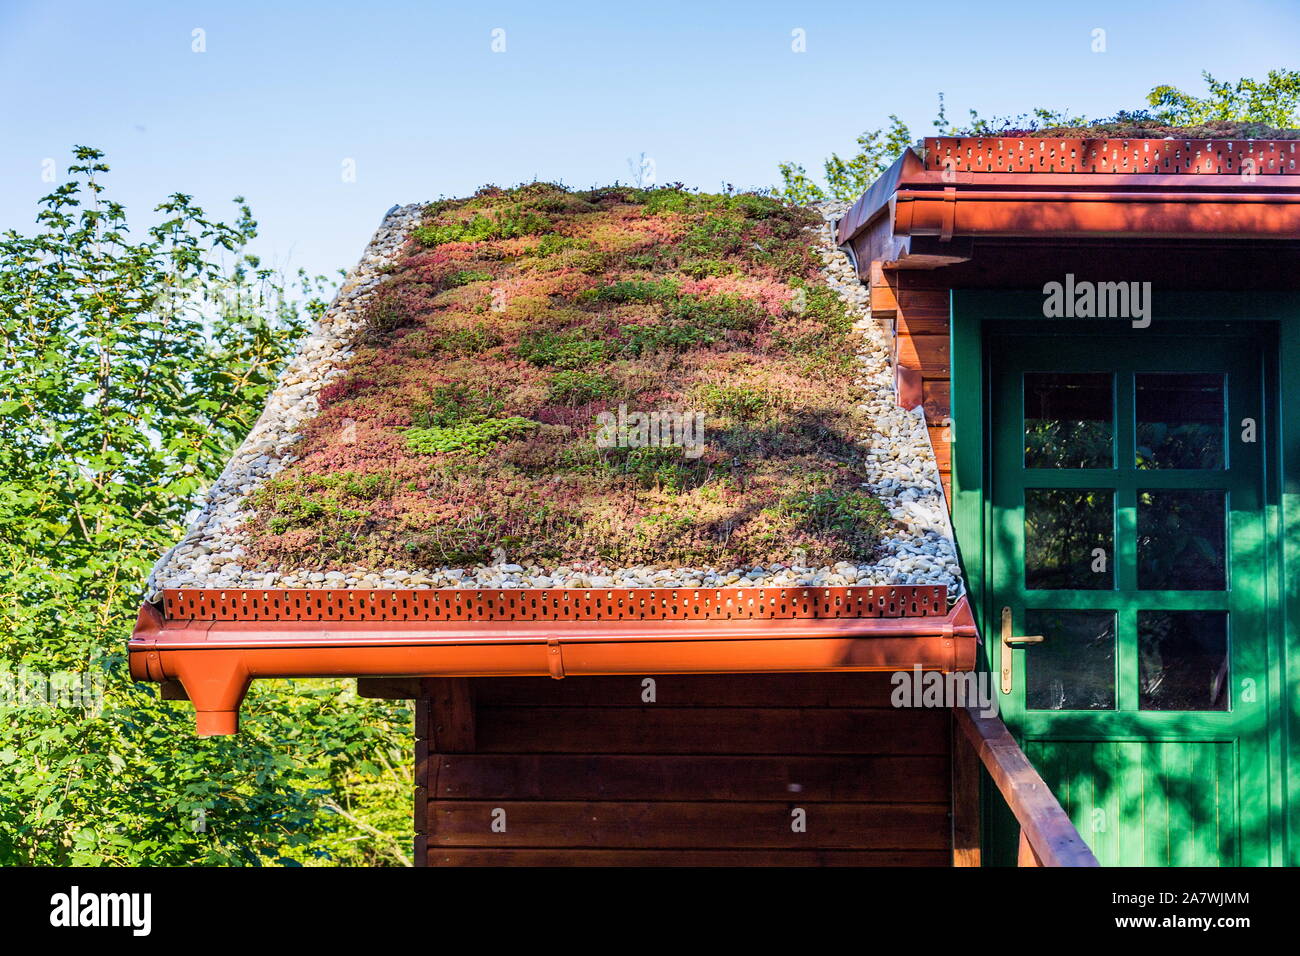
(1069, 538)
(1183, 660)
(1181, 540)
(1074, 667)
(1180, 420)
(1069, 419)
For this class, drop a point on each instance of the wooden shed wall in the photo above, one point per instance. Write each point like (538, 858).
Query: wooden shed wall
(583, 771)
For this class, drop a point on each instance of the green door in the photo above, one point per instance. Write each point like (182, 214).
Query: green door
(1128, 531)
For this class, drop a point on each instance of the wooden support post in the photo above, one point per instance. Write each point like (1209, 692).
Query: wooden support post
(1047, 837)
(421, 809)
(444, 725)
(965, 800)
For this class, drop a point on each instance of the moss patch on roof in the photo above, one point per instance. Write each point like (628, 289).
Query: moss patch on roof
(612, 376)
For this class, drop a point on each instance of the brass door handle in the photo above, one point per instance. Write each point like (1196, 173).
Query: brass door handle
(1010, 641)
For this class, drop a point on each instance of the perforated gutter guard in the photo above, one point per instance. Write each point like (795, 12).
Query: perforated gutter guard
(215, 642)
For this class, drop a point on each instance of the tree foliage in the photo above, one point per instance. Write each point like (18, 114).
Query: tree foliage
(131, 367)
(849, 178)
(1273, 101)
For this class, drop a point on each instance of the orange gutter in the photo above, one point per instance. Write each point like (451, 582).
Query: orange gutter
(216, 660)
(1064, 195)
(1120, 182)
(1082, 214)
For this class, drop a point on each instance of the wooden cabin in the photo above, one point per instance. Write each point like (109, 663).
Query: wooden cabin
(1094, 332)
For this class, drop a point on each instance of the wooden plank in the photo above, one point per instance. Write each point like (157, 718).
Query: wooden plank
(470, 856)
(931, 302)
(936, 398)
(917, 323)
(929, 353)
(940, 436)
(785, 730)
(923, 320)
(689, 824)
(882, 303)
(689, 690)
(451, 714)
(921, 280)
(1045, 826)
(883, 300)
(809, 779)
(965, 801)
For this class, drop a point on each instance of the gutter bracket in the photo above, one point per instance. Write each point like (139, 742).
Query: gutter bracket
(555, 658)
(949, 213)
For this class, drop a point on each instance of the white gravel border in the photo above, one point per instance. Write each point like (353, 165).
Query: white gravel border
(900, 464)
(211, 551)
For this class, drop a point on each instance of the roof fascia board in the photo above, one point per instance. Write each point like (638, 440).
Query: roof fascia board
(907, 168)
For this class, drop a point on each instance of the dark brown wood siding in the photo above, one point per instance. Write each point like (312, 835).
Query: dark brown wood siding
(716, 770)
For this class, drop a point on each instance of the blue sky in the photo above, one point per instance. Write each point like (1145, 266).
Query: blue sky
(414, 96)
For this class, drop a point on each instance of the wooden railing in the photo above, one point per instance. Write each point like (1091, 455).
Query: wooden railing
(1047, 837)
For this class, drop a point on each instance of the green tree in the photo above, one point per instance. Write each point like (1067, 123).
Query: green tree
(131, 367)
(849, 178)
(1273, 101)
